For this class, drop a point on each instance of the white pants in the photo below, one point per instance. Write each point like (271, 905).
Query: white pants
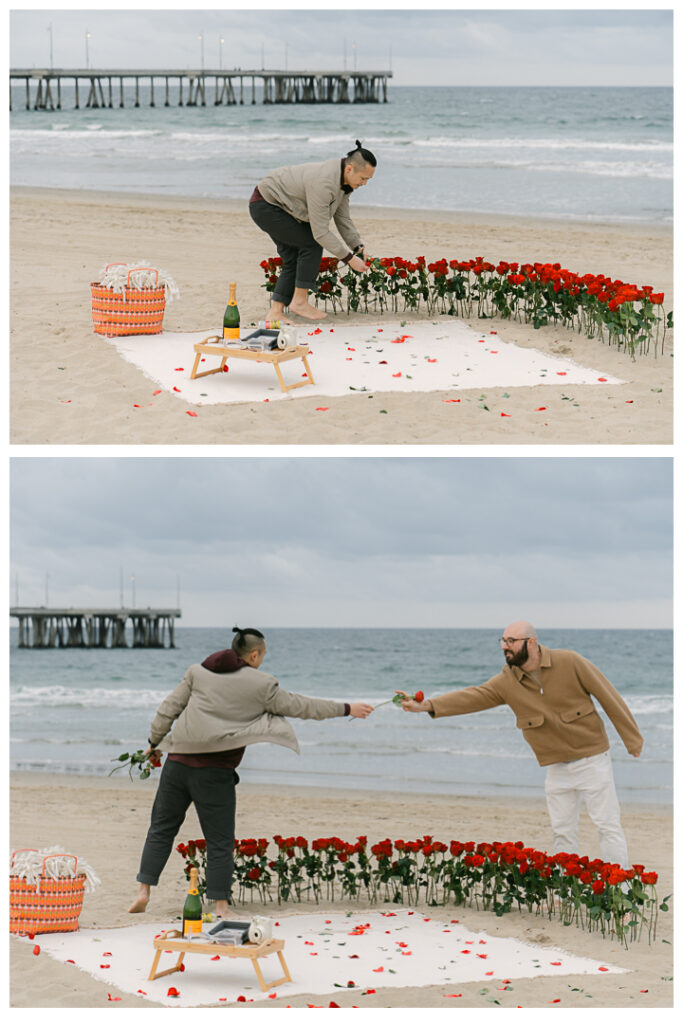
(592, 779)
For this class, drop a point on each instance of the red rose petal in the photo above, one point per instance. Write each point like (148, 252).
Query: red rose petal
(493, 351)
(350, 350)
(431, 360)
(142, 992)
(452, 995)
(322, 408)
(105, 967)
(541, 408)
(493, 332)
(179, 369)
(333, 1005)
(482, 956)
(173, 992)
(349, 359)
(382, 362)
(36, 950)
(377, 970)
(215, 958)
(188, 413)
(240, 999)
(555, 963)
(561, 373)
(69, 961)
(489, 973)
(505, 414)
(177, 389)
(272, 995)
(157, 392)
(226, 368)
(396, 374)
(113, 999)
(603, 379)
(603, 968)
(369, 991)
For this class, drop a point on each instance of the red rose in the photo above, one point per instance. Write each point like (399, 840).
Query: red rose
(598, 886)
(419, 696)
(649, 877)
(255, 874)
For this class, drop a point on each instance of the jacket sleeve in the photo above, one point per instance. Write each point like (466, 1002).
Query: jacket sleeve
(294, 705)
(613, 704)
(318, 199)
(170, 708)
(345, 226)
(467, 700)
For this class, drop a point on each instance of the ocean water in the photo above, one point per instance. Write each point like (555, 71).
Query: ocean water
(575, 153)
(74, 710)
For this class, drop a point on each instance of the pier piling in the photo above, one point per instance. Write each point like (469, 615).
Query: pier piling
(278, 86)
(95, 627)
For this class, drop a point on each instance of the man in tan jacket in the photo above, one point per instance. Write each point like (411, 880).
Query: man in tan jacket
(205, 725)
(294, 205)
(551, 693)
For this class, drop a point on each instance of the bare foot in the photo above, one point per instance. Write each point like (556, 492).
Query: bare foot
(140, 904)
(307, 311)
(276, 314)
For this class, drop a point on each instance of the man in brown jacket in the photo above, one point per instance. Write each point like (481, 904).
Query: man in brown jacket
(551, 693)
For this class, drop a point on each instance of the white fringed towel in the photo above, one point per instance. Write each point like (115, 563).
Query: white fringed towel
(115, 276)
(28, 864)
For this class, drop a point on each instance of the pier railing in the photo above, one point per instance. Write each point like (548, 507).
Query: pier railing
(95, 627)
(104, 88)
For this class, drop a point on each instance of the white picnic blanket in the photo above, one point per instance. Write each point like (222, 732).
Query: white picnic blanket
(443, 355)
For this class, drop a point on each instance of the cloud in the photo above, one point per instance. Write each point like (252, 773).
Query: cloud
(448, 47)
(325, 541)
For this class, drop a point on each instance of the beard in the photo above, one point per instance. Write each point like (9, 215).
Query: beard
(520, 658)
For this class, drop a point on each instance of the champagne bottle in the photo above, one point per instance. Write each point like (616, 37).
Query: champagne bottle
(192, 911)
(231, 317)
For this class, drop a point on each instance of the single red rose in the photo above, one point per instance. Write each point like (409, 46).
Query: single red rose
(419, 696)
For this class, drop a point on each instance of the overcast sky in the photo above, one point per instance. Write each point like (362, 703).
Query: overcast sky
(478, 542)
(447, 46)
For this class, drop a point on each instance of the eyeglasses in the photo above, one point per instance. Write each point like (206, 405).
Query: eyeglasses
(505, 641)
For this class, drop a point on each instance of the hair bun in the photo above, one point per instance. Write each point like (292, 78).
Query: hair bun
(359, 144)
(236, 629)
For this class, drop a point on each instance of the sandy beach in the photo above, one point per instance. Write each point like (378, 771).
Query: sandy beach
(70, 386)
(105, 820)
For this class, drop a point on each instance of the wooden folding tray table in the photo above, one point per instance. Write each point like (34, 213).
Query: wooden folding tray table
(172, 941)
(212, 346)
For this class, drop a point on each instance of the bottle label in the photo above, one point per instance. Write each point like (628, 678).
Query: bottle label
(233, 333)
(192, 927)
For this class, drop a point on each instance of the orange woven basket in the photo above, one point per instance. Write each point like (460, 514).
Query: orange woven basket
(135, 311)
(53, 905)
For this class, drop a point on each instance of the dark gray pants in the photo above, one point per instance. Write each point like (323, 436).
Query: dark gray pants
(212, 791)
(296, 246)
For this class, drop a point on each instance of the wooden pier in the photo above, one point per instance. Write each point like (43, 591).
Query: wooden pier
(101, 89)
(95, 627)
